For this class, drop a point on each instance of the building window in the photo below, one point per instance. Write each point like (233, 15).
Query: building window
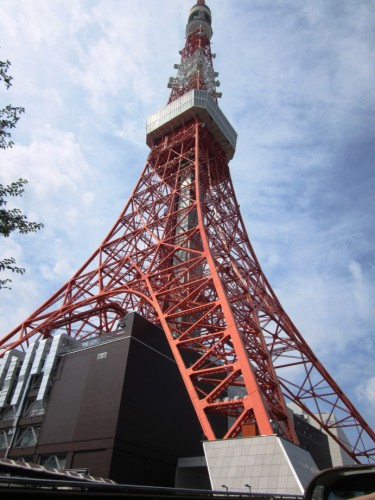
(53, 461)
(34, 408)
(27, 436)
(9, 413)
(35, 381)
(5, 438)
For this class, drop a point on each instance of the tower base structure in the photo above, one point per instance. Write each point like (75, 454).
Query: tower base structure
(115, 407)
(260, 464)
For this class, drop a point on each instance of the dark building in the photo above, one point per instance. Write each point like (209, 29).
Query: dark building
(313, 440)
(117, 408)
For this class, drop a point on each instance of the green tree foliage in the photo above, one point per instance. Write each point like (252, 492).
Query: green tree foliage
(9, 115)
(11, 219)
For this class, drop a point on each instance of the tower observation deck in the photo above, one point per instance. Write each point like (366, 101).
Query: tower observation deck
(195, 104)
(180, 256)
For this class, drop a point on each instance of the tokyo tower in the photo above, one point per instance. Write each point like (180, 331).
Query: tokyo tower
(180, 256)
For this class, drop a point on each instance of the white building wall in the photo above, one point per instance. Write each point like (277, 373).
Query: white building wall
(268, 464)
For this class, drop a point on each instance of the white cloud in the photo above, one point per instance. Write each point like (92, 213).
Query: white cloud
(366, 393)
(363, 293)
(53, 163)
(88, 199)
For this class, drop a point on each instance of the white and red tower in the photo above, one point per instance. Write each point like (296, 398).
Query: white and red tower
(179, 254)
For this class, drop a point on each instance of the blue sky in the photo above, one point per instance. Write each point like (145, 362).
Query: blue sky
(298, 86)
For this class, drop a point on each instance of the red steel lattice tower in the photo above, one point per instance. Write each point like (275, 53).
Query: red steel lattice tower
(179, 254)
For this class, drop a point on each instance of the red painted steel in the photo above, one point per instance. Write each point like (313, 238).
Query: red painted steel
(179, 254)
(195, 79)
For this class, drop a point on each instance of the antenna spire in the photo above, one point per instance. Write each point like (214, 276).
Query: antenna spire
(196, 69)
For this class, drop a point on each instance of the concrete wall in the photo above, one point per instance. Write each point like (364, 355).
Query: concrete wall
(268, 464)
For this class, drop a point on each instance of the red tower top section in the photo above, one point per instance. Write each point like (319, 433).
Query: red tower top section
(195, 70)
(193, 92)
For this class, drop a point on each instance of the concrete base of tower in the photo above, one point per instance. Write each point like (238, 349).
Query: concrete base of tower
(261, 464)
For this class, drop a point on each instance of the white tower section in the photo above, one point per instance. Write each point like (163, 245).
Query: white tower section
(199, 17)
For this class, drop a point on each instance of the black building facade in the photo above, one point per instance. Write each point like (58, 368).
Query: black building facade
(116, 408)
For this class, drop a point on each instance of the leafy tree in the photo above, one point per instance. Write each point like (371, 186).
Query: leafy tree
(9, 115)
(11, 219)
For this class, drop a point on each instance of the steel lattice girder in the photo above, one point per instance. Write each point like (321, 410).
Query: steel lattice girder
(180, 254)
